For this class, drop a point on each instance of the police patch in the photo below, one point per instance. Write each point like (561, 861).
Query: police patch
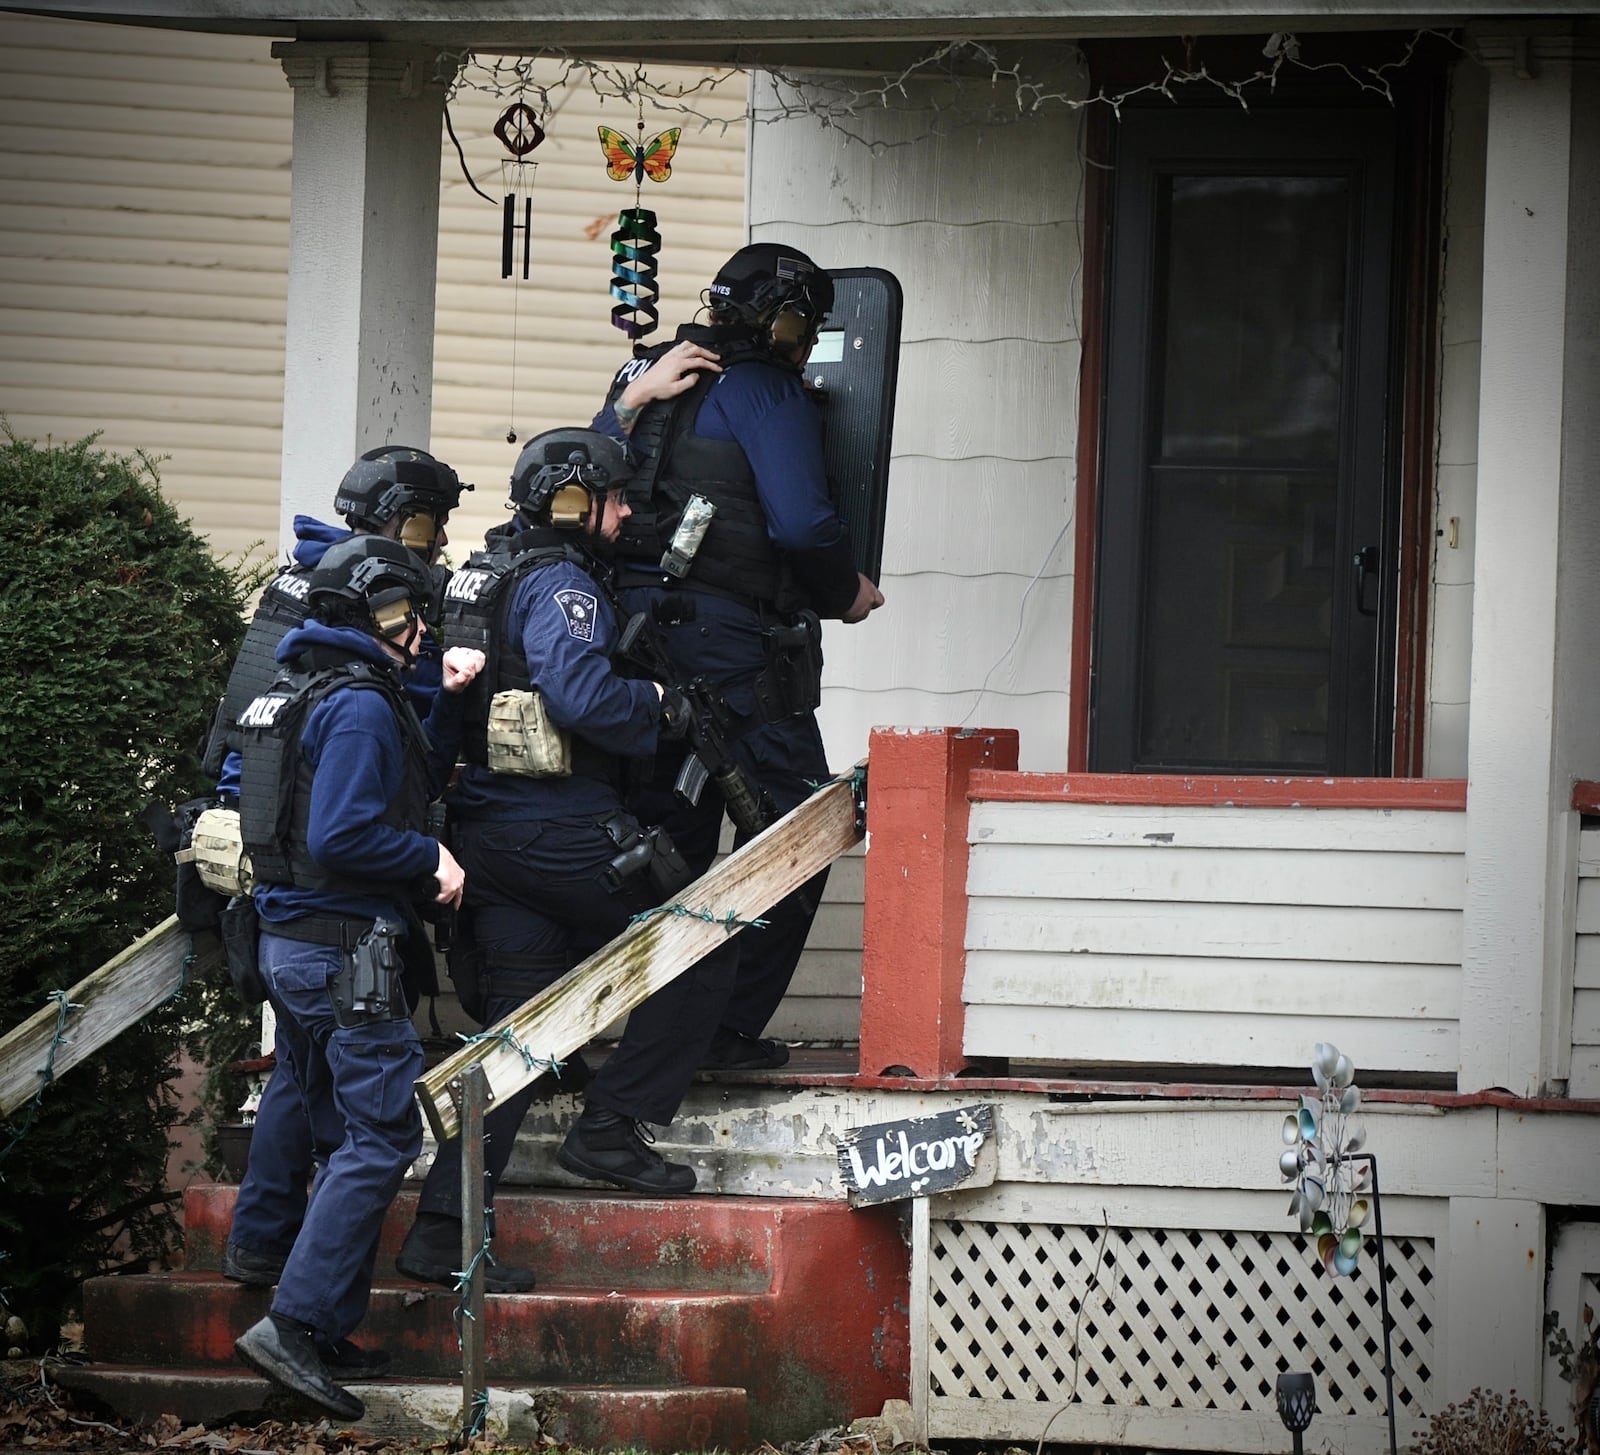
(579, 608)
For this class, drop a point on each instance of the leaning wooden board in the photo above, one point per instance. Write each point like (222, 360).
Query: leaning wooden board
(567, 1015)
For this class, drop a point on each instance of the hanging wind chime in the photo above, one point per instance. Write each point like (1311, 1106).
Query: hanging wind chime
(520, 132)
(635, 244)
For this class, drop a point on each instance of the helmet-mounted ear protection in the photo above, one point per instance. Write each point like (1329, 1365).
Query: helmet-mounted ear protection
(569, 505)
(563, 473)
(420, 529)
(393, 612)
(790, 329)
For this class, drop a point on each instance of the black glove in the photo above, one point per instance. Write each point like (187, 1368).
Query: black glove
(676, 714)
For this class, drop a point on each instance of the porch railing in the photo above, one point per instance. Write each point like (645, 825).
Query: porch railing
(1141, 921)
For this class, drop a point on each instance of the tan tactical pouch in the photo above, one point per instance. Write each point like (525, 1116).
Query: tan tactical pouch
(217, 852)
(523, 740)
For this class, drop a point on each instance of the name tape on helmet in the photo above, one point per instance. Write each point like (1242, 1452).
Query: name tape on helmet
(295, 584)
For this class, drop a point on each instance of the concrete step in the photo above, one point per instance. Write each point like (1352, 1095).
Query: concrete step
(587, 1416)
(587, 1336)
(801, 1304)
(730, 1244)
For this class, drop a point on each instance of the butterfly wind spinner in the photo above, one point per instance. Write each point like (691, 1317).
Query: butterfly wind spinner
(1331, 1182)
(635, 245)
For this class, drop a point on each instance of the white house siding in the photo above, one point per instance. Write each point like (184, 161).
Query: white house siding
(1460, 342)
(982, 226)
(1104, 934)
(146, 178)
(1584, 1079)
(145, 245)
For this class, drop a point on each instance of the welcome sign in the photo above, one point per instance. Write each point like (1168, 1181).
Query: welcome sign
(919, 1156)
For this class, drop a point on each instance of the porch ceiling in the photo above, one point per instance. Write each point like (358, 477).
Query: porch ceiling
(801, 33)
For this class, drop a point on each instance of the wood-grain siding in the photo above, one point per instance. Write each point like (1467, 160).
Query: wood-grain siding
(1214, 937)
(1584, 1077)
(982, 227)
(144, 255)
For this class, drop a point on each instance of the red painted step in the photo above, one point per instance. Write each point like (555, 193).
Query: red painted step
(593, 1239)
(800, 1304)
(588, 1335)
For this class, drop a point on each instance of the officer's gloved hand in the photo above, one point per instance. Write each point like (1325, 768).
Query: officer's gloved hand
(676, 712)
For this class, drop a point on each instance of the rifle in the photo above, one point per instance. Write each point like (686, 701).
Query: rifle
(749, 805)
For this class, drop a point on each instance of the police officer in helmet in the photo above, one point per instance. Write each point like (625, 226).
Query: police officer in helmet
(395, 491)
(722, 427)
(335, 778)
(556, 865)
(403, 494)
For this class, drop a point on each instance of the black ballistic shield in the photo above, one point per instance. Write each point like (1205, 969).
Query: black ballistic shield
(854, 365)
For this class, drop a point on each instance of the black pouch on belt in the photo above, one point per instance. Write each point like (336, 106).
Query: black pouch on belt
(791, 682)
(240, 928)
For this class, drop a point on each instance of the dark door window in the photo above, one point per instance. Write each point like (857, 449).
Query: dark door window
(1247, 519)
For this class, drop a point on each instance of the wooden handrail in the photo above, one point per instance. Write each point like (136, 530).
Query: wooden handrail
(650, 952)
(103, 1005)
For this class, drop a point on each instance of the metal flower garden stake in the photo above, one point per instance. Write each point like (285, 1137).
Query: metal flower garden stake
(1336, 1183)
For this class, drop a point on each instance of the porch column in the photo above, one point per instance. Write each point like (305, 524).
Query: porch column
(363, 249)
(1535, 696)
(913, 950)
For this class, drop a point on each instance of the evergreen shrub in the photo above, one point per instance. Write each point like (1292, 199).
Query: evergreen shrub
(117, 630)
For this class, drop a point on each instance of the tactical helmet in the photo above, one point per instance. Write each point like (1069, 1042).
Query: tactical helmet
(372, 582)
(398, 480)
(776, 288)
(562, 472)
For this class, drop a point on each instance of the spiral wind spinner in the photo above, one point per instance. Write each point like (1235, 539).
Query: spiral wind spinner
(635, 245)
(1321, 1143)
(634, 248)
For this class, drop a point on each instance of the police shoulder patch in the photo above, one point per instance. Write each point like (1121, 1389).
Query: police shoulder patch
(579, 608)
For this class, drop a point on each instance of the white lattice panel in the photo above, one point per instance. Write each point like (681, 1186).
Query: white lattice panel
(1176, 1319)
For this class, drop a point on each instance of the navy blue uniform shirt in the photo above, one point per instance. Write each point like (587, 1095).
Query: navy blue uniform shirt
(764, 410)
(354, 744)
(567, 631)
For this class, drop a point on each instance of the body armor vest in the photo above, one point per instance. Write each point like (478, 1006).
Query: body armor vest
(275, 784)
(281, 609)
(477, 608)
(737, 556)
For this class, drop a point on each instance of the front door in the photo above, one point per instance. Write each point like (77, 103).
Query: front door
(1248, 509)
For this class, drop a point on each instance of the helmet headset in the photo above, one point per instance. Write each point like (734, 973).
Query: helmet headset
(776, 290)
(399, 482)
(373, 584)
(563, 474)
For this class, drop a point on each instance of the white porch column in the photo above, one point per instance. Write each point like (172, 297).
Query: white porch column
(363, 249)
(1535, 706)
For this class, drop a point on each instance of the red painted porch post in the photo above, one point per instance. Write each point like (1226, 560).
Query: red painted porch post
(913, 953)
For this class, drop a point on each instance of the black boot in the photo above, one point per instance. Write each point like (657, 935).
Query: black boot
(286, 1353)
(347, 1360)
(245, 1265)
(608, 1147)
(431, 1253)
(734, 1051)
